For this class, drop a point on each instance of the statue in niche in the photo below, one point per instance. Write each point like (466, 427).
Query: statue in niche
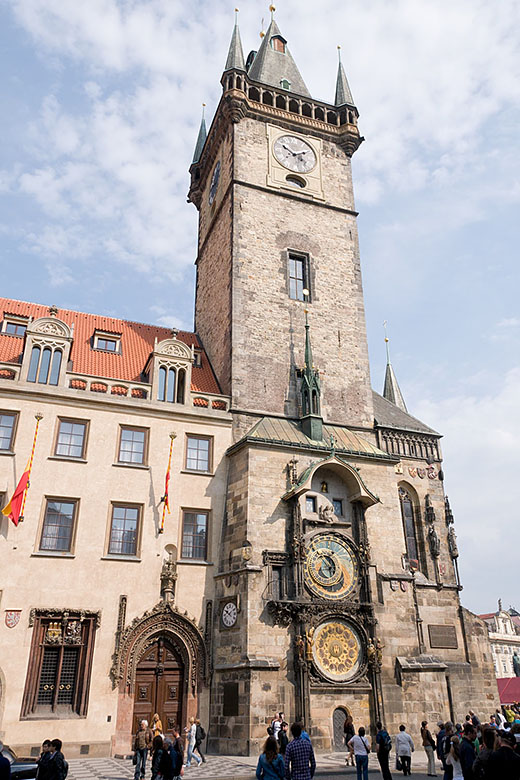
(327, 513)
(452, 543)
(309, 638)
(516, 663)
(434, 542)
(299, 646)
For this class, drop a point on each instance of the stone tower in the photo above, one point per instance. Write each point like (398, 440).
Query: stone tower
(277, 234)
(336, 580)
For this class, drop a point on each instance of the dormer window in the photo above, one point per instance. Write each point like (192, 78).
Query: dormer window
(285, 84)
(278, 43)
(14, 326)
(107, 342)
(197, 359)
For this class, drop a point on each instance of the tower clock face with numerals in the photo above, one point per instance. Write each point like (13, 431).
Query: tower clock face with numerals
(330, 568)
(294, 153)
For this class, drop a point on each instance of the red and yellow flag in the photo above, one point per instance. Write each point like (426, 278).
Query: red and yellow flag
(166, 498)
(13, 510)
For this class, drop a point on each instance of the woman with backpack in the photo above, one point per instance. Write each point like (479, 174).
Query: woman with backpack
(429, 745)
(270, 765)
(361, 747)
(200, 736)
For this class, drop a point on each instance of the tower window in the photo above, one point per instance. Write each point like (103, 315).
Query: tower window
(285, 84)
(299, 277)
(278, 44)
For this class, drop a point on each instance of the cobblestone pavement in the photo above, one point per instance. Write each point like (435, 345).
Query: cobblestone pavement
(222, 767)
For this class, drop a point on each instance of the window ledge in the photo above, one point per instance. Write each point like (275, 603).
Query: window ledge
(113, 557)
(200, 473)
(69, 458)
(191, 562)
(7, 452)
(52, 554)
(132, 466)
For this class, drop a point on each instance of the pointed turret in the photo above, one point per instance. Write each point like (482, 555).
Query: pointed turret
(343, 93)
(312, 422)
(392, 391)
(235, 59)
(201, 138)
(274, 65)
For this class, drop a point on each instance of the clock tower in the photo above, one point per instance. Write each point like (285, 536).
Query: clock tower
(277, 235)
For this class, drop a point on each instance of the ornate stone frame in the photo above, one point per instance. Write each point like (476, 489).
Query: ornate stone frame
(182, 632)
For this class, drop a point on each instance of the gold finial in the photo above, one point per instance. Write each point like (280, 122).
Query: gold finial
(272, 9)
(339, 53)
(262, 33)
(173, 435)
(386, 342)
(38, 416)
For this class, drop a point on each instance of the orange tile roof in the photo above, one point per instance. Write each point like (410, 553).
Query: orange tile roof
(137, 341)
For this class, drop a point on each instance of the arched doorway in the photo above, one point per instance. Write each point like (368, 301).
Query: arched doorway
(338, 721)
(159, 685)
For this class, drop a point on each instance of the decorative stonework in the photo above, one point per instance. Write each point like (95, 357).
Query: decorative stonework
(182, 633)
(51, 326)
(63, 613)
(174, 348)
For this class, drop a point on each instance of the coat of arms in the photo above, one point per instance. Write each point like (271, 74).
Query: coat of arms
(421, 473)
(12, 617)
(412, 471)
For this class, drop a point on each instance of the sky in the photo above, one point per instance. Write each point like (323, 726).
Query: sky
(101, 103)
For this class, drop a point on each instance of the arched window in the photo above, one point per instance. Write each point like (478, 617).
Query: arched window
(181, 383)
(33, 365)
(409, 525)
(170, 389)
(55, 367)
(306, 403)
(315, 409)
(161, 394)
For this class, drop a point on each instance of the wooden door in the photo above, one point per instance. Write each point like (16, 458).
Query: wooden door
(158, 686)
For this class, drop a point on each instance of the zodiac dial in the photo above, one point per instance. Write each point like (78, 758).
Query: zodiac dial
(294, 153)
(336, 650)
(330, 568)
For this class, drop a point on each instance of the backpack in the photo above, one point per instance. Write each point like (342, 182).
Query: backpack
(387, 742)
(65, 769)
(202, 733)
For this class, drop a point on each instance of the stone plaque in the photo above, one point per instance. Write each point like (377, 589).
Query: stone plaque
(443, 637)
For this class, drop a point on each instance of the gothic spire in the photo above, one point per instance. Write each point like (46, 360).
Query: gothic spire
(274, 65)
(343, 93)
(235, 59)
(201, 138)
(312, 422)
(392, 391)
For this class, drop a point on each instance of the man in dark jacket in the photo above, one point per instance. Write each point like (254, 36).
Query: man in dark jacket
(467, 751)
(56, 768)
(5, 766)
(383, 748)
(503, 763)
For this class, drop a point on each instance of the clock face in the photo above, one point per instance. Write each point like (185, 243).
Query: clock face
(294, 153)
(229, 614)
(336, 650)
(330, 568)
(214, 183)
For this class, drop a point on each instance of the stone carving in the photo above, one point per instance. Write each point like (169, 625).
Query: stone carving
(430, 511)
(299, 645)
(168, 578)
(72, 633)
(51, 327)
(326, 513)
(182, 632)
(174, 348)
(379, 653)
(516, 663)
(448, 514)
(59, 614)
(309, 636)
(452, 542)
(371, 654)
(434, 542)
(53, 635)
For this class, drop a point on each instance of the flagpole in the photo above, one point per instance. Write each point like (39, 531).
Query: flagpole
(165, 499)
(38, 417)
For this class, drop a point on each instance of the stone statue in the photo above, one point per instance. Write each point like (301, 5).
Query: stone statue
(371, 654)
(309, 638)
(327, 513)
(516, 663)
(452, 542)
(434, 542)
(299, 646)
(379, 653)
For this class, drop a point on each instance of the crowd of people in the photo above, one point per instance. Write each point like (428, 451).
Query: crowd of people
(167, 753)
(469, 751)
